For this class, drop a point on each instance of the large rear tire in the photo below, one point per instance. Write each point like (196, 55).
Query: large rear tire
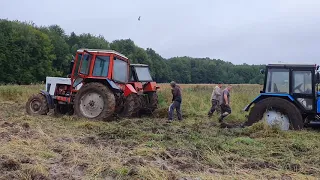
(37, 105)
(132, 106)
(153, 97)
(94, 101)
(276, 107)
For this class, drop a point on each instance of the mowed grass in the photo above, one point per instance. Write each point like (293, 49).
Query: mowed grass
(48, 147)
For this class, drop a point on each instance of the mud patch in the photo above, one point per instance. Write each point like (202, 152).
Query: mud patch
(259, 165)
(7, 124)
(89, 140)
(295, 167)
(187, 166)
(26, 126)
(5, 136)
(10, 165)
(179, 152)
(135, 161)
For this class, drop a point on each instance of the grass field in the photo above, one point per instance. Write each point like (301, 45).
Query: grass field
(48, 147)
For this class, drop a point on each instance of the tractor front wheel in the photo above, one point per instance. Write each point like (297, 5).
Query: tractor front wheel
(37, 105)
(94, 101)
(276, 111)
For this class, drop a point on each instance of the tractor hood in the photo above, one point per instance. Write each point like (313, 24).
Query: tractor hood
(51, 83)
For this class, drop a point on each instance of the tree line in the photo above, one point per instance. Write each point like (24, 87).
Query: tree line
(29, 53)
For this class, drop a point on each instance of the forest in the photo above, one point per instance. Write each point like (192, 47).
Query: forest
(29, 53)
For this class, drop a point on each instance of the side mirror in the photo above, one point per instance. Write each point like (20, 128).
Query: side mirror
(261, 71)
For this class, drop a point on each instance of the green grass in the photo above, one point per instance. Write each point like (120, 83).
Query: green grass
(149, 148)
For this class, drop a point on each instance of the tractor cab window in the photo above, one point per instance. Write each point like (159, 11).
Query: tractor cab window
(143, 74)
(76, 70)
(277, 81)
(85, 64)
(120, 70)
(302, 82)
(101, 66)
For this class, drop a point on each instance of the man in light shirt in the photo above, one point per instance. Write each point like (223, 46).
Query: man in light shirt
(215, 99)
(225, 103)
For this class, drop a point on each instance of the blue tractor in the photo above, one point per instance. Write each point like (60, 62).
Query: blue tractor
(290, 97)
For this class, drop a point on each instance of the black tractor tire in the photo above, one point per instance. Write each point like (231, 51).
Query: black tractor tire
(105, 94)
(37, 105)
(63, 109)
(132, 106)
(153, 97)
(282, 105)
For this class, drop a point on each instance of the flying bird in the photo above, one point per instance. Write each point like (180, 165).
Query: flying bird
(139, 18)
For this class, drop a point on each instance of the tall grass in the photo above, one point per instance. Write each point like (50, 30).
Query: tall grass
(196, 98)
(18, 93)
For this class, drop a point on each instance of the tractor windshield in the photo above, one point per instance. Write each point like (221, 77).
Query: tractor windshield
(101, 66)
(277, 81)
(120, 70)
(143, 73)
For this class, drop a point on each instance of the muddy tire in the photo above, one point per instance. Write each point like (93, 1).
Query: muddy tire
(153, 97)
(284, 106)
(37, 105)
(132, 106)
(94, 101)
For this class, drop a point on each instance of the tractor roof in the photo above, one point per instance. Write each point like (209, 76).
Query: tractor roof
(141, 65)
(292, 65)
(102, 51)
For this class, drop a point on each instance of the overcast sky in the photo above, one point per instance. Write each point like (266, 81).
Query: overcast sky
(247, 31)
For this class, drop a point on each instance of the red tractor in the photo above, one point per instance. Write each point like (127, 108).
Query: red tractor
(99, 87)
(141, 80)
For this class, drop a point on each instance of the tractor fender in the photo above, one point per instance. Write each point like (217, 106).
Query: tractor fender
(151, 87)
(110, 83)
(265, 95)
(129, 89)
(49, 99)
(113, 85)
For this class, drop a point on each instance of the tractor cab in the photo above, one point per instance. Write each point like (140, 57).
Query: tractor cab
(292, 81)
(140, 73)
(140, 76)
(142, 81)
(289, 96)
(91, 64)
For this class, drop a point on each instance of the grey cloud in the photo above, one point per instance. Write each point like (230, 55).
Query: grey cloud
(250, 31)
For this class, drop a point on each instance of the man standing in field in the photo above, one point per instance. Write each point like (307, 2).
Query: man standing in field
(215, 99)
(225, 103)
(176, 101)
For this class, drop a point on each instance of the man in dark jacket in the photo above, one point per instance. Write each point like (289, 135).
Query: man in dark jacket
(176, 101)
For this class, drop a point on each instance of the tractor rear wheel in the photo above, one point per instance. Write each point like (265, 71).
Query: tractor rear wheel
(94, 101)
(276, 111)
(153, 98)
(37, 105)
(132, 106)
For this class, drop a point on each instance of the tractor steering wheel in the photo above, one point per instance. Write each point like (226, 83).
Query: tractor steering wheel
(298, 87)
